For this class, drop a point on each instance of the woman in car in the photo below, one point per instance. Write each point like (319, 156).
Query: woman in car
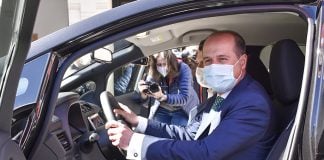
(174, 96)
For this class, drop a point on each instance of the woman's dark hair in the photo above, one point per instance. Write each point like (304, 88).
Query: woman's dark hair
(172, 65)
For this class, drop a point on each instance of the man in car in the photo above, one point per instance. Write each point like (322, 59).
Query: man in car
(236, 123)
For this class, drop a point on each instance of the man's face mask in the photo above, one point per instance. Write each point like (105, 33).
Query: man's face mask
(162, 70)
(220, 77)
(200, 77)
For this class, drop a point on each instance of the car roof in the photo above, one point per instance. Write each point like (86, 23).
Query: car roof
(78, 31)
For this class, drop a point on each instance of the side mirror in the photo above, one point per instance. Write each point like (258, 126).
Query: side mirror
(142, 61)
(102, 55)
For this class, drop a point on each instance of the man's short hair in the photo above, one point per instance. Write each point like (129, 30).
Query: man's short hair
(201, 44)
(240, 48)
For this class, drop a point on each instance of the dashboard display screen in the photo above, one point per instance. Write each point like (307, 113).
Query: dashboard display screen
(95, 121)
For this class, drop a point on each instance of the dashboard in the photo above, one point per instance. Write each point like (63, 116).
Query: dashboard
(72, 126)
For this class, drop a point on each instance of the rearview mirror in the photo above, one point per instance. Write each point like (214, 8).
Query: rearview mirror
(142, 61)
(102, 55)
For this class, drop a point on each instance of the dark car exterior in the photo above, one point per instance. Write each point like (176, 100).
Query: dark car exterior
(42, 79)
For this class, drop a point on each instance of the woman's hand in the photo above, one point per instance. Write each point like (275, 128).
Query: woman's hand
(143, 88)
(158, 95)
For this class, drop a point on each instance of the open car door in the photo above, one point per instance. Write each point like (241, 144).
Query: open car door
(17, 19)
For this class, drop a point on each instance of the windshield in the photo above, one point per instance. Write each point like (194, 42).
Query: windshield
(86, 60)
(79, 64)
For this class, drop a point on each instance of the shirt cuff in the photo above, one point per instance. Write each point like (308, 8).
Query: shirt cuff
(142, 125)
(134, 149)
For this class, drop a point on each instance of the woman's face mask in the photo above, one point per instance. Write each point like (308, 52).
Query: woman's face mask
(161, 66)
(163, 70)
(200, 77)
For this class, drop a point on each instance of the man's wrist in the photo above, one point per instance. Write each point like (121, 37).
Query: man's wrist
(142, 125)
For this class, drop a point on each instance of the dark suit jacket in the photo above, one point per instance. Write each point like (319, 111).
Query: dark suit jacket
(246, 130)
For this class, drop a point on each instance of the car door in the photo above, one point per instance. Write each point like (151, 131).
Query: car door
(16, 24)
(313, 137)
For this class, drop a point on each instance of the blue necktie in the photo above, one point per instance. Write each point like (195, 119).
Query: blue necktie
(217, 103)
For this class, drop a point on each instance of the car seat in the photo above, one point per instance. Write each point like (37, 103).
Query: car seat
(286, 72)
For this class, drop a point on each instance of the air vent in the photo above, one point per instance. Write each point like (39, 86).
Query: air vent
(63, 140)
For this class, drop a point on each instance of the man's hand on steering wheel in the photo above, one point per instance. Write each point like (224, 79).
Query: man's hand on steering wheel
(129, 116)
(119, 134)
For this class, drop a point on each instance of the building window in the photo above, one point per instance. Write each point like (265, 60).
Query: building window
(82, 9)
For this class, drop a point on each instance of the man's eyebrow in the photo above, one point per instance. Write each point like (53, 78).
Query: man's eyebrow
(222, 56)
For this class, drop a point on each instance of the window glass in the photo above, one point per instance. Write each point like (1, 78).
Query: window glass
(125, 79)
(30, 81)
(79, 64)
(22, 86)
(86, 60)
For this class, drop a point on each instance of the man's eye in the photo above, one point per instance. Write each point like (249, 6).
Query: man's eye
(222, 60)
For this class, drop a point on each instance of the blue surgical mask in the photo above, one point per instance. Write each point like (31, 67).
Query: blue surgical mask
(200, 77)
(220, 77)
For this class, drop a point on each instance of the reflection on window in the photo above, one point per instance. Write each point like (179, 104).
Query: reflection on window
(0, 4)
(79, 64)
(86, 60)
(22, 86)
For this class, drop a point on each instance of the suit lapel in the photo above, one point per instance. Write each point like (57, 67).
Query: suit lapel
(203, 125)
(216, 116)
(209, 120)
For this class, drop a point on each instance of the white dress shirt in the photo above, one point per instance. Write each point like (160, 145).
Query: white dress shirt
(212, 118)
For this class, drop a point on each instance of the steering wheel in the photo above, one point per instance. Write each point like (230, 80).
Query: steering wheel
(109, 103)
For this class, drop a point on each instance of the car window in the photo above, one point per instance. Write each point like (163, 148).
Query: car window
(79, 64)
(85, 61)
(30, 81)
(125, 79)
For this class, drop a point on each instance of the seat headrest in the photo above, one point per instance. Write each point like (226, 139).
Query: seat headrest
(286, 70)
(259, 72)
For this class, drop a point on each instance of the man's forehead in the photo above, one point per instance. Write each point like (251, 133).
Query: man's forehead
(219, 47)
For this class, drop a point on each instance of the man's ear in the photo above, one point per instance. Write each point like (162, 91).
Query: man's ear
(243, 62)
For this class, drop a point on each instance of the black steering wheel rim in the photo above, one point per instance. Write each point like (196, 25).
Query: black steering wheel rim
(108, 104)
